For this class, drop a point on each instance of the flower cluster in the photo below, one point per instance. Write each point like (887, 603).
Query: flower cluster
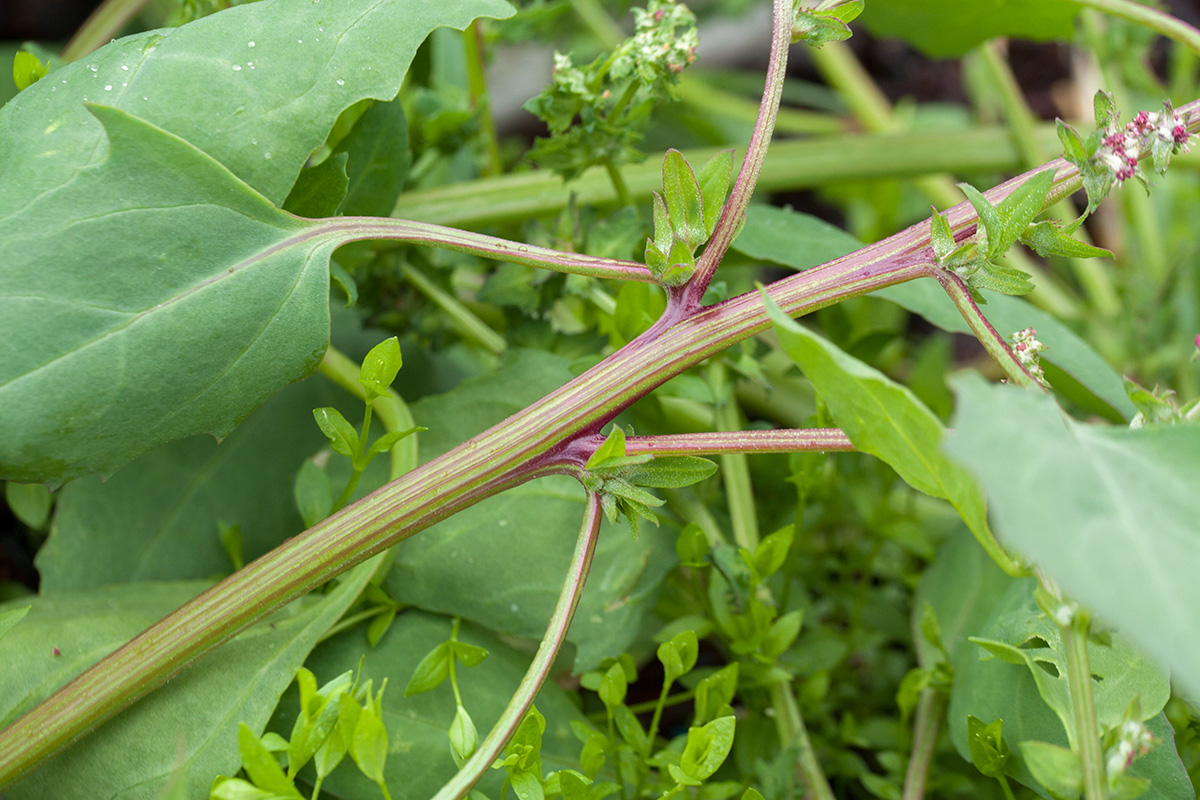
(1133, 740)
(1028, 351)
(655, 48)
(1160, 132)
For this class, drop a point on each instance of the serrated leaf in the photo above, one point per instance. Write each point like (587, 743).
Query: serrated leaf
(672, 472)
(685, 204)
(1004, 280)
(1047, 239)
(1073, 147)
(940, 235)
(886, 420)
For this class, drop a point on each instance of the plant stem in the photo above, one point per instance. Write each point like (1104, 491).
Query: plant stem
(871, 107)
(930, 708)
(465, 320)
(352, 229)
(556, 632)
(103, 25)
(478, 96)
(995, 344)
(734, 211)
(735, 469)
(618, 182)
(1152, 18)
(1083, 707)
(537, 441)
(793, 734)
(779, 441)
(597, 20)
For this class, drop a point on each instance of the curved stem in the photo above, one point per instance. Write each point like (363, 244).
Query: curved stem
(1152, 18)
(734, 211)
(556, 632)
(995, 344)
(925, 733)
(103, 25)
(353, 229)
(794, 734)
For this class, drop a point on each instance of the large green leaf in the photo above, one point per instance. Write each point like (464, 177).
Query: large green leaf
(1109, 513)
(127, 252)
(887, 420)
(257, 87)
(419, 761)
(171, 500)
(191, 723)
(946, 28)
(990, 689)
(501, 563)
(152, 297)
(801, 241)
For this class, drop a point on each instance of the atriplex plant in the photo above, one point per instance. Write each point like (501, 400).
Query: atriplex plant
(153, 288)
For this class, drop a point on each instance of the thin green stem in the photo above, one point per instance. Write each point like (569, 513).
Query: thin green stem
(597, 20)
(625, 99)
(618, 182)
(995, 344)
(351, 229)
(104, 25)
(926, 722)
(1152, 18)
(478, 96)
(465, 320)
(655, 719)
(735, 469)
(556, 633)
(791, 164)
(778, 441)
(734, 212)
(1083, 708)
(793, 733)
(346, 623)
